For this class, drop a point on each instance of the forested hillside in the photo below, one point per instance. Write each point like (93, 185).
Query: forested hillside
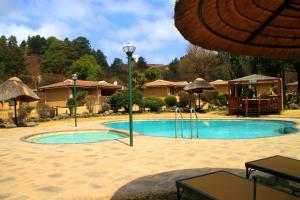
(39, 61)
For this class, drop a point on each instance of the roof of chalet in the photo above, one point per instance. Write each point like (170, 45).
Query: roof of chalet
(164, 83)
(293, 83)
(256, 77)
(219, 82)
(81, 84)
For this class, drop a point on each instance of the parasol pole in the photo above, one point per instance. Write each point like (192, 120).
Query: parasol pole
(16, 121)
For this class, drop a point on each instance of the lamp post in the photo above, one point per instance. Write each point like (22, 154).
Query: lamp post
(129, 49)
(74, 77)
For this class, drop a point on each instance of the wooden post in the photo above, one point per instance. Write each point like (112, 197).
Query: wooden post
(246, 106)
(16, 119)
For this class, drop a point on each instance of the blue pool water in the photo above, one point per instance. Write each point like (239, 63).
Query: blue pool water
(75, 137)
(215, 129)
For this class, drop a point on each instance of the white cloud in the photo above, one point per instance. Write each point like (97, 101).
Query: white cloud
(149, 25)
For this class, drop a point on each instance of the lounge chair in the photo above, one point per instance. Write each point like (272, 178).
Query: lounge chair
(223, 185)
(279, 166)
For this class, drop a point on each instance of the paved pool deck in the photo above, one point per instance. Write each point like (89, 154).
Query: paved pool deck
(112, 169)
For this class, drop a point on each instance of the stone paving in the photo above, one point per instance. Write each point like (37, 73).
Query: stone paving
(112, 169)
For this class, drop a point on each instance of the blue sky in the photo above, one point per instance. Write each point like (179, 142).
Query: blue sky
(108, 24)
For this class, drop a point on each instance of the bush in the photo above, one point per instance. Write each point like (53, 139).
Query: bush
(105, 107)
(215, 98)
(221, 100)
(153, 103)
(70, 105)
(80, 97)
(185, 99)
(43, 110)
(153, 106)
(170, 101)
(121, 99)
(29, 109)
(90, 102)
(22, 113)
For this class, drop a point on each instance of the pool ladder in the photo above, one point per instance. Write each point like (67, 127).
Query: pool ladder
(191, 122)
(178, 111)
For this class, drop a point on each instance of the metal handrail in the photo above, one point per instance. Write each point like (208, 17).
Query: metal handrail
(191, 123)
(178, 110)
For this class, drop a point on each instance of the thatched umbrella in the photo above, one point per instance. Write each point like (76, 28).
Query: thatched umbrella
(15, 89)
(197, 86)
(247, 27)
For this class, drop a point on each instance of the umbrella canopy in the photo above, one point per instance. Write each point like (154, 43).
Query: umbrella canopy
(15, 89)
(247, 27)
(198, 86)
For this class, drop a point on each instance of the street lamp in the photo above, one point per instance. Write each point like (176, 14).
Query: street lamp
(129, 49)
(74, 77)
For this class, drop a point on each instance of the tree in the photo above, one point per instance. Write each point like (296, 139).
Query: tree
(121, 99)
(295, 65)
(86, 68)
(11, 59)
(36, 44)
(80, 46)
(234, 64)
(152, 74)
(116, 66)
(138, 80)
(141, 64)
(100, 58)
(57, 57)
(198, 62)
(172, 72)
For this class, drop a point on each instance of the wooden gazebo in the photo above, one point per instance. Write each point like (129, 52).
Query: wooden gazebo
(255, 95)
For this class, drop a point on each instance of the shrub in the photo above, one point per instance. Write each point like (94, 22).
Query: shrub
(80, 97)
(153, 103)
(221, 100)
(70, 105)
(185, 99)
(29, 109)
(170, 101)
(43, 110)
(121, 99)
(22, 113)
(105, 107)
(90, 101)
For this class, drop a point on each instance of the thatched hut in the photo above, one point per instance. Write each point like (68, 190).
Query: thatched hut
(256, 28)
(197, 86)
(255, 94)
(14, 89)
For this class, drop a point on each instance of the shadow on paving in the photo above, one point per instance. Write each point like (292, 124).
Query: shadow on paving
(162, 185)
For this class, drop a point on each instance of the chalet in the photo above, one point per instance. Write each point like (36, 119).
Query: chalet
(162, 88)
(56, 95)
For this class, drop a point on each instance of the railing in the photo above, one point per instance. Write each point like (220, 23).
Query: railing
(191, 122)
(267, 104)
(178, 110)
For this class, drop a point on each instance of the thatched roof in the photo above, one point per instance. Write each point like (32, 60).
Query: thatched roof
(198, 85)
(219, 82)
(14, 88)
(81, 84)
(256, 77)
(163, 83)
(256, 28)
(293, 83)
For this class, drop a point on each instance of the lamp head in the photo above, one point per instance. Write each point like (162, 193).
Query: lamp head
(74, 76)
(129, 48)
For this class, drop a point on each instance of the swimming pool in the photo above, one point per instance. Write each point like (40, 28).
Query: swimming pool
(74, 137)
(214, 129)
